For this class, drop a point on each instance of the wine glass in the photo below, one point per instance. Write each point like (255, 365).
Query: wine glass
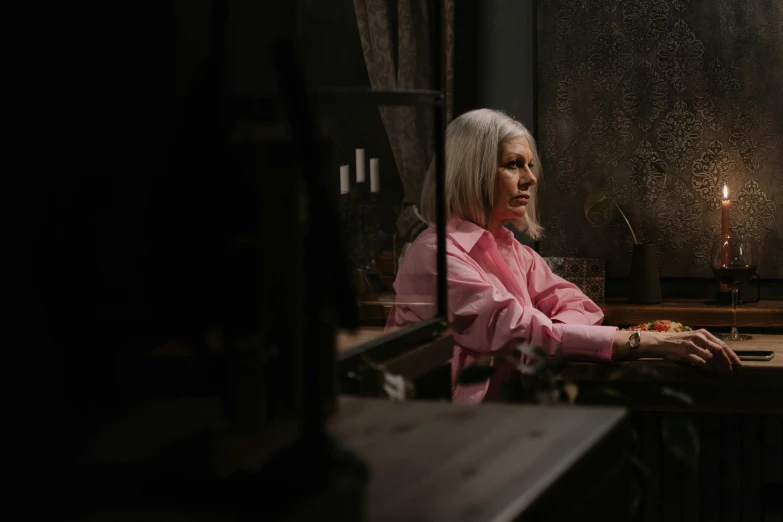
(733, 264)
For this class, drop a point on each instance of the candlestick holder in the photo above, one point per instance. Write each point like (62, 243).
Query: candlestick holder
(359, 210)
(346, 216)
(372, 226)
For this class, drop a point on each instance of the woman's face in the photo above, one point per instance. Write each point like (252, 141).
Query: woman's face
(512, 182)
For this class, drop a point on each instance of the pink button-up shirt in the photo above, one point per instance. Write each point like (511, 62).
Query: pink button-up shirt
(500, 293)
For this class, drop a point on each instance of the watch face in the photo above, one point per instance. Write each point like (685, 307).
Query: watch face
(635, 339)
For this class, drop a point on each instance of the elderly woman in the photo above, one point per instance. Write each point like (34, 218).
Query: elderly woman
(501, 293)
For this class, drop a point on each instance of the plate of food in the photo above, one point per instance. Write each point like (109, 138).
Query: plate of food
(661, 325)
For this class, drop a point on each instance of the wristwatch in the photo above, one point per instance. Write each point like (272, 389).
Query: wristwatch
(634, 341)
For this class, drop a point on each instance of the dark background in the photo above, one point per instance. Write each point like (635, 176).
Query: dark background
(129, 217)
(689, 71)
(495, 66)
(131, 230)
(139, 151)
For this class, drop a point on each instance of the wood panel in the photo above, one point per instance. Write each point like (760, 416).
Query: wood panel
(491, 462)
(731, 487)
(649, 426)
(751, 469)
(772, 472)
(693, 313)
(710, 472)
(691, 503)
(739, 474)
(672, 488)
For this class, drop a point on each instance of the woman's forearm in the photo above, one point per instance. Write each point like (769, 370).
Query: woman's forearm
(621, 350)
(699, 348)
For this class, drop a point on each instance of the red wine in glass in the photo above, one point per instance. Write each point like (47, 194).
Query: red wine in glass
(733, 265)
(734, 276)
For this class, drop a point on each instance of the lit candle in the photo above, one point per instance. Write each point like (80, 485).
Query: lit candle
(725, 204)
(345, 179)
(361, 174)
(375, 180)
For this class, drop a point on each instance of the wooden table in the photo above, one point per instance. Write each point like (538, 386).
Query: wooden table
(740, 427)
(693, 312)
(437, 461)
(738, 419)
(752, 373)
(757, 386)
(754, 389)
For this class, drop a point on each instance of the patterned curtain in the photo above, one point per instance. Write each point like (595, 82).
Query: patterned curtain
(409, 129)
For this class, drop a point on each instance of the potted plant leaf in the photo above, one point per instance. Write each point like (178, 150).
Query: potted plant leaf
(645, 283)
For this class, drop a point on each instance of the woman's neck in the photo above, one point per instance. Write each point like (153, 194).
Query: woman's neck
(495, 224)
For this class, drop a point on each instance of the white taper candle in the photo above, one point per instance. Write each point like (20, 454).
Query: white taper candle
(361, 174)
(375, 179)
(345, 179)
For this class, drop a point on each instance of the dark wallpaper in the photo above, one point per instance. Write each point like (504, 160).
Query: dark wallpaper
(694, 85)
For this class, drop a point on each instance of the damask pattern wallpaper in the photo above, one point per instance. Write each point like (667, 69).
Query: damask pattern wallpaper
(696, 86)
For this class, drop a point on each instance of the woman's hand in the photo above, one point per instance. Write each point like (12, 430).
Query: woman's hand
(698, 347)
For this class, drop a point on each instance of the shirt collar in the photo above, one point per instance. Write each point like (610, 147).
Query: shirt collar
(466, 233)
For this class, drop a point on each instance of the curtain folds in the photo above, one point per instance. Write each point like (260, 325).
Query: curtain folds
(410, 129)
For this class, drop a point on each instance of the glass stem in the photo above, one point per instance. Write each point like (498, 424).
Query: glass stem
(734, 335)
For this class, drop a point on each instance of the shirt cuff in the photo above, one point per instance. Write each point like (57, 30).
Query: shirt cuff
(587, 343)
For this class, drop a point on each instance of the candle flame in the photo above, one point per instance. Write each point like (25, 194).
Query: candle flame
(725, 192)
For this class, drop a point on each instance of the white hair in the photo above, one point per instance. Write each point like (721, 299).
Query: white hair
(473, 146)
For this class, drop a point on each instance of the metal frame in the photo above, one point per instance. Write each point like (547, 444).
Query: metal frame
(392, 344)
